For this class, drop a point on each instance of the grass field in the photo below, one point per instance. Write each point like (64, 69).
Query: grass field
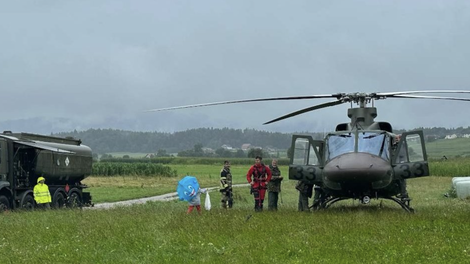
(161, 232)
(110, 189)
(459, 147)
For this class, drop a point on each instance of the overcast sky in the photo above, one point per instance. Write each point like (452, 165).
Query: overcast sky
(100, 64)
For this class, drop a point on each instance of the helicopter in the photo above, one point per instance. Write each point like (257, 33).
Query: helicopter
(362, 159)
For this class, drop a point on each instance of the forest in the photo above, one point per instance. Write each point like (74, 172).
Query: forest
(113, 140)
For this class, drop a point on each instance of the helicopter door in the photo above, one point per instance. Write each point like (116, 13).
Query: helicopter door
(3, 159)
(410, 158)
(306, 162)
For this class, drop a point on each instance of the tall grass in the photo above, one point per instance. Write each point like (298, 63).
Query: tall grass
(161, 232)
(451, 167)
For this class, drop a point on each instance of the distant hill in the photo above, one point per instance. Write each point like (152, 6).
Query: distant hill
(112, 140)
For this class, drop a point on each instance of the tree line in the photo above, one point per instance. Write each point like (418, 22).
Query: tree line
(113, 140)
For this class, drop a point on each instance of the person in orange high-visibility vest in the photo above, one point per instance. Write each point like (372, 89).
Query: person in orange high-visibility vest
(258, 176)
(42, 196)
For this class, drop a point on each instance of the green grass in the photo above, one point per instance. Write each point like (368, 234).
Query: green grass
(111, 189)
(161, 232)
(459, 147)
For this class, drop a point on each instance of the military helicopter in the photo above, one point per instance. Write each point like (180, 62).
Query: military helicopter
(360, 160)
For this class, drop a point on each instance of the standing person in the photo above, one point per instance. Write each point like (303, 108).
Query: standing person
(274, 186)
(258, 176)
(226, 186)
(42, 196)
(318, 197)
(196, 201)
(401, 158)
(305, 192)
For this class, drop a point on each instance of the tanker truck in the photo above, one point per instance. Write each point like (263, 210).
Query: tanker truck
(24, 157)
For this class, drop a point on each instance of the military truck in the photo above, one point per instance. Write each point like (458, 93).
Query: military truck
(24, 157)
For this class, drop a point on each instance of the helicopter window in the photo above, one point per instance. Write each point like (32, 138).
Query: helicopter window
(374, 143)
(313, 159)
(301, 151)
(413, 148)
(305, 153)
(339, 144)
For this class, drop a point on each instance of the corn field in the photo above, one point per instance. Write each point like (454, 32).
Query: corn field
(137, 168)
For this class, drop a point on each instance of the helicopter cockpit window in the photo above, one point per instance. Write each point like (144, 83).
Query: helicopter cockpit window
(374, 143)
(313, 159)
(339, 144)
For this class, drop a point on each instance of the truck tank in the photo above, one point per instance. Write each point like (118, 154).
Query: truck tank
(59, 160)
(64, 162)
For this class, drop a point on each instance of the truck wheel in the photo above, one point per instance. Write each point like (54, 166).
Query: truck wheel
(74, 200)
(4, 203)
(27, 202)
(58, 201)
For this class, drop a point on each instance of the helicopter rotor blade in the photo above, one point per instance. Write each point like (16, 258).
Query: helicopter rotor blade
(305, 110)
(390, 94)
(429, 97)
(247, 101)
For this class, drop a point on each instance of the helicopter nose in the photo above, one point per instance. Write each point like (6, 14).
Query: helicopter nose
(357, 169)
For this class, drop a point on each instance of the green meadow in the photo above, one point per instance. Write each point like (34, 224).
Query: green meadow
(458, 147)
(162, 232)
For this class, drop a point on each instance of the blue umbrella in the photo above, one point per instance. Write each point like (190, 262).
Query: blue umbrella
(187, 188)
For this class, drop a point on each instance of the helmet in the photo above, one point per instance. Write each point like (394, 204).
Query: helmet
(41, 179)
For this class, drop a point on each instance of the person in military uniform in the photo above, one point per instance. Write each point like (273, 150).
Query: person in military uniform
(318, 197)
(305, 192)
(401, 159)
(274, 186)
(226, 186)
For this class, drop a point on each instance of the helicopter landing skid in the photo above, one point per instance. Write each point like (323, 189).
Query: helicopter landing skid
(404, 203)
(328, 202)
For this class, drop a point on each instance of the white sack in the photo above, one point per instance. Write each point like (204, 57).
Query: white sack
(207, 204)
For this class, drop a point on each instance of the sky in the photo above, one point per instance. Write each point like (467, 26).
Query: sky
(76, 65)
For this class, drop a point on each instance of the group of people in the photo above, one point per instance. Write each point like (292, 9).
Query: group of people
(262, 178)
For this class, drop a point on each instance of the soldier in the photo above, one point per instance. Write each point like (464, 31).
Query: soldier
(226, 186)
(274, 186)
(258, 176)
(402, 158)
(305, 192)
(319, 197)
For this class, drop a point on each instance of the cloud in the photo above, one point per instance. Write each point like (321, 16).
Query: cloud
(101, 65)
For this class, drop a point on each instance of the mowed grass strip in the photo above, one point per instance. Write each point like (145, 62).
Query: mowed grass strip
(161, 232)
(118, 188)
